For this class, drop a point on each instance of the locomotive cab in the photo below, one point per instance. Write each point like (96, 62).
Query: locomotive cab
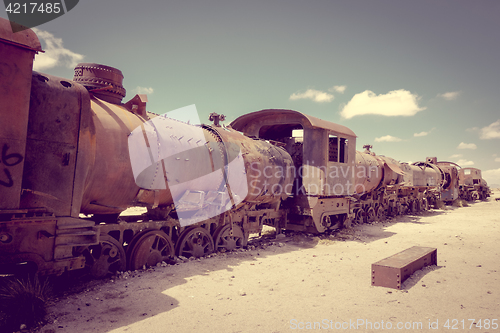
(472, 185)
(323, 155)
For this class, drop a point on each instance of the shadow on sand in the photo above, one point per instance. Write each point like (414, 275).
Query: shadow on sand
(156, 280)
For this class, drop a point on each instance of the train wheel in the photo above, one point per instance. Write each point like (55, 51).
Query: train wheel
(151, 248)
(359, 218)
(381, 214)
(413, 207)
(228, 238)
(401, 209)
(107, 257)
(196, 242)
(347, 223)
(425, 204)
(392, 210)
(370, 215)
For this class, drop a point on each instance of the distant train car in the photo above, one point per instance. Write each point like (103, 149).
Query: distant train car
(472, 185)
(451, 188)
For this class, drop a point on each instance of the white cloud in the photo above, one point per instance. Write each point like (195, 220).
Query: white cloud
(315, 95)
(394, 103)
(421, 134)
(492, 176)
(492, 131)
(497, 159)
(464, 145)
(339, 89)
(449, 96)
(143, 90)
(387, 138)
(472, 129)
(55, 53)
(456, 156)
(463, 163)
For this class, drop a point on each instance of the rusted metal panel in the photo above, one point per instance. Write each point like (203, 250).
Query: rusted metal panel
(254, 123)
(450, 190)
(269, 169)
(426, 174)
(391, 272)
(17, 51)
(324, 168)
(368, 173)
(470, 176)
(24, 237)
(102, 81)
(315, 160)
(52, 144)
(26, 39)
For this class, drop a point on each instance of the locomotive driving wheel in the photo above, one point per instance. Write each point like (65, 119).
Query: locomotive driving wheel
(401, 209)
(196, 242)
(228, 238)
(151, 248)
(370, 215)
(425, 204)
(359, 218)
(413, 207)
(381, 214)
(107, 257)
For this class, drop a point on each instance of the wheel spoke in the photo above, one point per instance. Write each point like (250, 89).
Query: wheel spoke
(106, 257)
(163, 248)
(150, 248)
(195, 242)
(229, 238)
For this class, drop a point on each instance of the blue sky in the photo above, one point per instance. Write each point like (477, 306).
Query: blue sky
(412, 78)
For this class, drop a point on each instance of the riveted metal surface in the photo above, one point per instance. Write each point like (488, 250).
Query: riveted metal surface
(110, 186)
(170, 154)
(52, 144)
(427, 174)
(103, 81)
(268, 170)
(369, 172)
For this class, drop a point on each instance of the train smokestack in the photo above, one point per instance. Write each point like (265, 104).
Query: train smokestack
(103, 81)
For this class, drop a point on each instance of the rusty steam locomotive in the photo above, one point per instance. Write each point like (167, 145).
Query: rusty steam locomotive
(66, 174)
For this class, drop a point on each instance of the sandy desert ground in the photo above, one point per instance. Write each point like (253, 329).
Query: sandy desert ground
(306, 283)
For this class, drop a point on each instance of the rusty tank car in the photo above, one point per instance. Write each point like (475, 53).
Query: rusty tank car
(75, 156)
